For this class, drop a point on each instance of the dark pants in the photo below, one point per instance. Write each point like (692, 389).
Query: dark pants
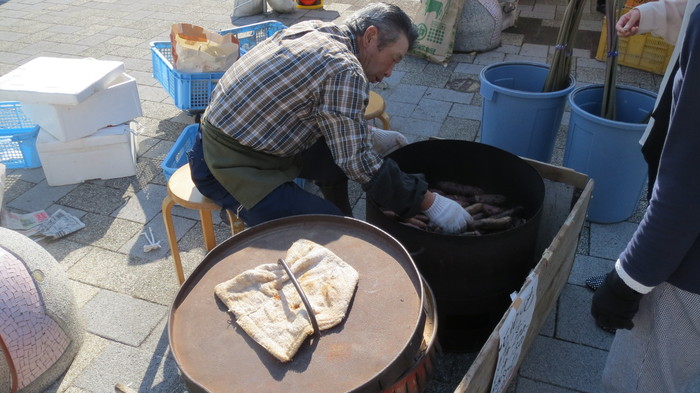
(286, 200)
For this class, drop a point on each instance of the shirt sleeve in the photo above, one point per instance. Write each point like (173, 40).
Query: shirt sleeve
(671, 226)
(341, 118)
(662, 18)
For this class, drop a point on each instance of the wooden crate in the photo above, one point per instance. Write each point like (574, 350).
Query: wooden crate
(568, 194)
(642, 51)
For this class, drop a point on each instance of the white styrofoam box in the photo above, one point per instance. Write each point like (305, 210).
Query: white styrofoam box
(53, 80)
(107, 154)
(118, 103)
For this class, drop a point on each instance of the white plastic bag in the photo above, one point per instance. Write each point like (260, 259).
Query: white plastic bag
(283, 6)
(247, 7)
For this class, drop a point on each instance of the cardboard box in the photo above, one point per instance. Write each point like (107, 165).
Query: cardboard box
(117, 103)
(108, 153)
(567, 196)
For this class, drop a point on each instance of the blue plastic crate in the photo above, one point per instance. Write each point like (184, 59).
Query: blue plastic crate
(177, 156)
(17, 137)
(191, 91)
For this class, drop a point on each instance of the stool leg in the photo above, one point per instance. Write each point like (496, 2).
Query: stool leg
(237, 224)
(385, 121)
(172, 239)
(208, 229)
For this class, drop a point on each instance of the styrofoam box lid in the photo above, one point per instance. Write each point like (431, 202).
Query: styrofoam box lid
(118, 134)
(52, 80)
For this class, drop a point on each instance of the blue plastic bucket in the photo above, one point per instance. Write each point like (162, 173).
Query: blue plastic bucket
(609, 151)
(516, 115)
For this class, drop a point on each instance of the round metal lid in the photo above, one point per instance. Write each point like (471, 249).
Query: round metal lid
(367, 352)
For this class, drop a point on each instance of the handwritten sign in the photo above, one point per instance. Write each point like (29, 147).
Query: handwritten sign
(512, 334)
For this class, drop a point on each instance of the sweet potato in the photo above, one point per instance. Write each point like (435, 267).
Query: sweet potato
(450, 187)
(491, 199)
(490, 223)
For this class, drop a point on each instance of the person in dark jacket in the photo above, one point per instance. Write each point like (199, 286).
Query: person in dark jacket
(653, 294)
(293, 107)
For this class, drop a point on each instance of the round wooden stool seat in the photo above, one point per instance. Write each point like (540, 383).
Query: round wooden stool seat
(377, 109)
(182, 191)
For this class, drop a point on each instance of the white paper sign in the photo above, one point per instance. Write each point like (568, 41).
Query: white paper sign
(512, 334)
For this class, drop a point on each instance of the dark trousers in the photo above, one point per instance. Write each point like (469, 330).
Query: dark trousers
(286, 200)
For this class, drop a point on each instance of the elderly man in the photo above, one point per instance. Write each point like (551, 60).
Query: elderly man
(293, 106)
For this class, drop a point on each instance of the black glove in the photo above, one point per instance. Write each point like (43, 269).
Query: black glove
(615, 303)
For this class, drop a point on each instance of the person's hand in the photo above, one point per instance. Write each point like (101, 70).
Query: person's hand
(615, 304)
(385, 141)
(448, 215)
(628, 24)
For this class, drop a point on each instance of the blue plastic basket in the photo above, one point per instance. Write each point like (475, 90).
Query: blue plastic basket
(192, 90)
(177, 156)
(17, 137)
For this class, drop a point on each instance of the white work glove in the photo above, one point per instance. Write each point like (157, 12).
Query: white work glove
(448, 215)
(384, 142)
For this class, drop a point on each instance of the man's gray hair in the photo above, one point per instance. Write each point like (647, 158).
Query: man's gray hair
(389, 19)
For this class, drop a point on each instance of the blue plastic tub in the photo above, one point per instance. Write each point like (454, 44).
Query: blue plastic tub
(17, 137)
(609, 151)
(516, 115)
(177, 156)
(191, 91)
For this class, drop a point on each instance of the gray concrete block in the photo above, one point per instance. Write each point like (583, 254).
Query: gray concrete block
(92, 198)
(586, 266)
(143, 206)
(431, 110)
(409, 94)
(38, 197)
(466, 112)
(142, 371)
(464, 68)
(462, 129)
(526, 385)
(609, 240)
(564, 364)
(448, 95)
(396, 108)
(103, 231)
(121, 317)
(413, 126)
(156, 228)
(575, 323)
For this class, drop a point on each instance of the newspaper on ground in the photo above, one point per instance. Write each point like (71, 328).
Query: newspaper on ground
(40, 225)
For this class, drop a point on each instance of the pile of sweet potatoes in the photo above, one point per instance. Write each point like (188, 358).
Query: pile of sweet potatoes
(491, 212)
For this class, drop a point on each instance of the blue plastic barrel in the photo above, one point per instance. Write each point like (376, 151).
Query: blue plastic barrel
(516, 115)
(609, 151)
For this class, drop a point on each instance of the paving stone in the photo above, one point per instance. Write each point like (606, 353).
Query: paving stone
(466, 112)
(140, 370)
(156, 228)
(104, 231)
(464, 68)
(575, 323)
(586, 266)
(526, 385)
(462, 129)
(448, 95)
(609, 240)
(432, 110)
(143, 206)
(121, 317)
(39, 197)
(91, 198)
(564, 364)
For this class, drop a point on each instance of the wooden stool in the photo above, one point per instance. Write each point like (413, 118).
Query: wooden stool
(181, 190)
(376, 109)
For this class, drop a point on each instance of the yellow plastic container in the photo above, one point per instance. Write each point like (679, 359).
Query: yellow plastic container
(310, 5)
(642, 51)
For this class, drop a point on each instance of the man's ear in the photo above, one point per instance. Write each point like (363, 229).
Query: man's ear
(371, 34)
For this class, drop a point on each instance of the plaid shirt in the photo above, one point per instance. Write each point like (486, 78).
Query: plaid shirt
(301, 84)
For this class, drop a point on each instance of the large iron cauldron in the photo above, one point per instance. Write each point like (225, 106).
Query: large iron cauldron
(472, 276)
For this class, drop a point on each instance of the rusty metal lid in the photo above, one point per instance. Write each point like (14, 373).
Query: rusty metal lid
(373, 346)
